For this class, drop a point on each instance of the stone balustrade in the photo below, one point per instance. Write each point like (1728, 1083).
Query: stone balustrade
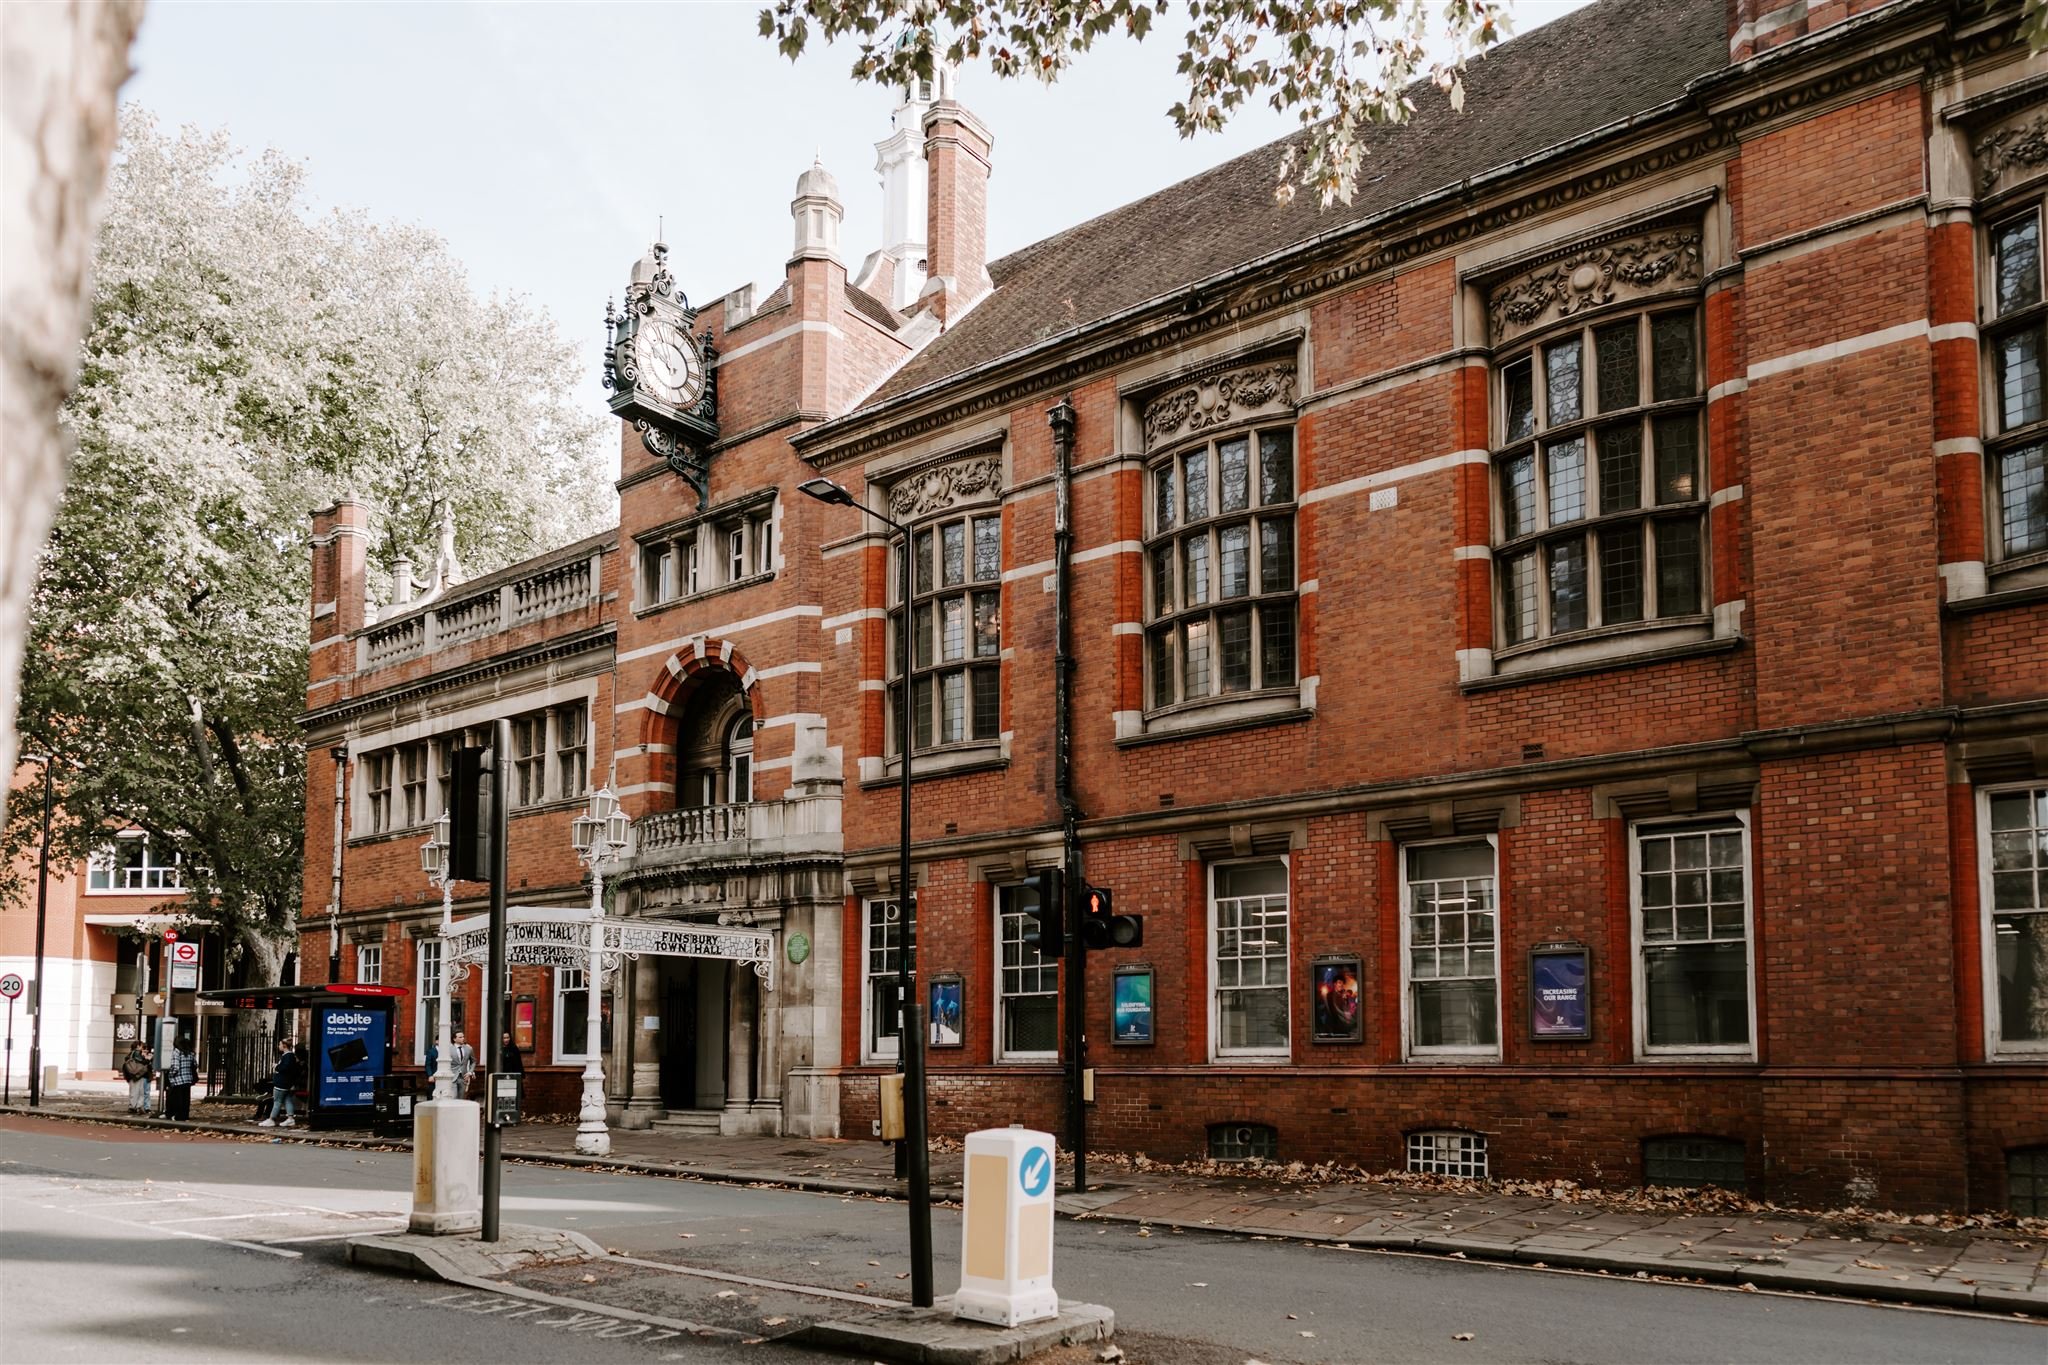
(746, 830)
(471, 613)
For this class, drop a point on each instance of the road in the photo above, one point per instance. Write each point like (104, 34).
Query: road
(117, 1245)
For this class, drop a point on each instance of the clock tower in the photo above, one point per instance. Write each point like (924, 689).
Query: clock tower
(661, 374)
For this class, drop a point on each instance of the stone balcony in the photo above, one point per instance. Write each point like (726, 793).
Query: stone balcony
(804, 827)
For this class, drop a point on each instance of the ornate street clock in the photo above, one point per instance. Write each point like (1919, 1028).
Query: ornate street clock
(663, 377)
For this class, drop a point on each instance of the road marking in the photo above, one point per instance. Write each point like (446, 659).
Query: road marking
(197, 1236)
(608, 1325)
(231, 1217)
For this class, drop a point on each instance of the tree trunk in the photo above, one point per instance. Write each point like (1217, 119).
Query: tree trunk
(64, 65)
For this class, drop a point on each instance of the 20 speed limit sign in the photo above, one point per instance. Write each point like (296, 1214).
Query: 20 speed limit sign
(11, 986)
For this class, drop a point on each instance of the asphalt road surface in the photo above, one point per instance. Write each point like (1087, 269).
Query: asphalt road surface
(117, 1245)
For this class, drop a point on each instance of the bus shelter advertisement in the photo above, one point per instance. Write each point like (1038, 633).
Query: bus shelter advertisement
(351, 1056)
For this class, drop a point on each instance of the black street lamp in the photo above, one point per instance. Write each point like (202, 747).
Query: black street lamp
(910, 1013)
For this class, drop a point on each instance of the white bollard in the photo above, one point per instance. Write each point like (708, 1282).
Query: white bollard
(447, 1190)
(1006, 1229)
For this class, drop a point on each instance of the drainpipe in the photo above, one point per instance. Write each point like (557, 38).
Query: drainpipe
(340, 757)
(1061, 419)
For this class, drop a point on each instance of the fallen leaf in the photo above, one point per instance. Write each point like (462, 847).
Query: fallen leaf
(874, 1262)
(1461, 1336)
(1308, 1334)
(902, 1274)
(686, 1234)
(590, 1279)
(728, 1294)
(1198, 1284)
(1748, 1288)
(860, 1284)
(773, 1322)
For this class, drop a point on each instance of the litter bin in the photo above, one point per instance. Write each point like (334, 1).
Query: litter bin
(393, 1103)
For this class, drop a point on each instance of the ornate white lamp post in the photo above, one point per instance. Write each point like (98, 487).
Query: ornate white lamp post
(600, 835)
(434, 862)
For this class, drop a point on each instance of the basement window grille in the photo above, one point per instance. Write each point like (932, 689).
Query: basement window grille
(1693, 1162)
(1462, 1155)
(1244, 1142)
(2026, 1181)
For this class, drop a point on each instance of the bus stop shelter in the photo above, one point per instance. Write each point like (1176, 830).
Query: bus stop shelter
(348, 1043)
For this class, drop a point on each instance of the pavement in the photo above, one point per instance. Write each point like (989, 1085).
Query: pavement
(1847, 1254)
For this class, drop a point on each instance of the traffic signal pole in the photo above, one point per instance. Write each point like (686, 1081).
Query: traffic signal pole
(1074, 985)
(494, 978)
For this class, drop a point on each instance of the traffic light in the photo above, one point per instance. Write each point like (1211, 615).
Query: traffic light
(1046, 929)
(1102, 927)
(469, 817)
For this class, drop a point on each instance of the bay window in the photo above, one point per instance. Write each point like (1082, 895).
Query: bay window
(2016, 455)
(1220, 569)
(1600, 479)
(954, 612)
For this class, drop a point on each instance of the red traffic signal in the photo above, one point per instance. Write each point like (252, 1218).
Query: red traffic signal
(1102, 927)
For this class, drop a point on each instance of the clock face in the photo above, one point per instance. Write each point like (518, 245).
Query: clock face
(670, 368)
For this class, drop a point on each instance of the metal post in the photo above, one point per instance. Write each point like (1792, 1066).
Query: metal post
(915, 1150)
(910, 1019)
(494, 979)
(35, 1045)
(1074, 983)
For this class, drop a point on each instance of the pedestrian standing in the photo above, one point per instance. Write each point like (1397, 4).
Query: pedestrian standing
(179, 1078)
(136, 1069)
(514, 1063)
(462, 1061)
(284, 1085)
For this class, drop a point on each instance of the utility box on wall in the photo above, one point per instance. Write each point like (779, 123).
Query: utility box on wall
(1006, 1229)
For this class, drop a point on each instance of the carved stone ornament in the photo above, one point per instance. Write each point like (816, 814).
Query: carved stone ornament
(1592, 276)
(2022, 145)
(935, 490)
(1219, 400)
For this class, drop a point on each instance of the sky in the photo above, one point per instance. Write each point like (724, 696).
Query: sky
(545, 142)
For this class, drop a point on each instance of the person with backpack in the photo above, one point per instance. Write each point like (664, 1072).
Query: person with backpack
(284, 1084)
(136, 1069)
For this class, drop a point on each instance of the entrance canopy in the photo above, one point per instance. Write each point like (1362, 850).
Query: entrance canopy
(303, 997)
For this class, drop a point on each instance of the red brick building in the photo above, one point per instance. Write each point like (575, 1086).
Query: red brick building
(1557, 645)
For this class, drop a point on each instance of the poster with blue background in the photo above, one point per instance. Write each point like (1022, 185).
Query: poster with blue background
(1559, 984)
(349, 1055)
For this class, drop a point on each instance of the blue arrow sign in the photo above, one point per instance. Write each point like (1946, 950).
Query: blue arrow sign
(1034, 1172)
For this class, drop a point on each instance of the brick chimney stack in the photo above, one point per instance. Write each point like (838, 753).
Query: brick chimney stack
(1756, 26)
(956, 154)
(341, 556)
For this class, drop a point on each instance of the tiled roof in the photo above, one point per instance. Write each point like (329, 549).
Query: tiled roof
(872, 308)
(1586, 70)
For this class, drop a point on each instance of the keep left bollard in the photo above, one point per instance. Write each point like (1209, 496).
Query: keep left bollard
(1006, 1221)
(447, 1197)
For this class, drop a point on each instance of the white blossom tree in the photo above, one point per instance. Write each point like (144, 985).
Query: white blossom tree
(64, 64)
(1340, 65)
(247, 361)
